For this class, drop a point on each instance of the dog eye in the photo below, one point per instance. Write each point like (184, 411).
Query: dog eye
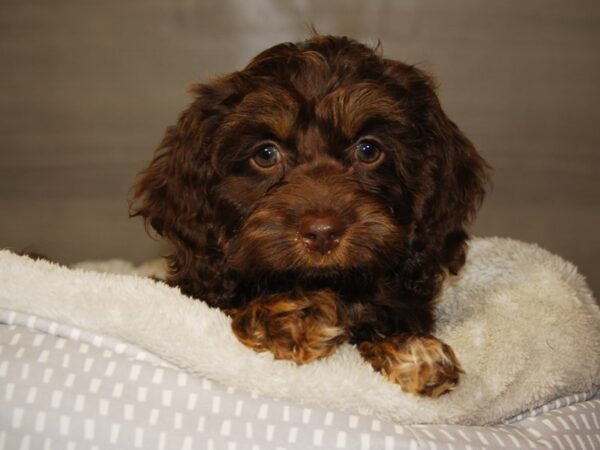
(267, 156)
(367, 152)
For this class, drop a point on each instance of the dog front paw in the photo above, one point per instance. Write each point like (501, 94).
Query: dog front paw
(301, 329)
(421, 365)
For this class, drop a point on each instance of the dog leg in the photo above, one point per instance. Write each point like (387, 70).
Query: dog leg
(300, 328)
(421, 365)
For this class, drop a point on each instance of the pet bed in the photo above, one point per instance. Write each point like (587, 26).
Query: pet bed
(72, 369)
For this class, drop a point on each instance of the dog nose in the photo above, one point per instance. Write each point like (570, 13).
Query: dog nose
(321, 233)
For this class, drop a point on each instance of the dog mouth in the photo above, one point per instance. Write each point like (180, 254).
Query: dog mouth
(317, 240)
(321, 256)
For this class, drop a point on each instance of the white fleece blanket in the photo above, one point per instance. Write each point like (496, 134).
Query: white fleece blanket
(521, 320)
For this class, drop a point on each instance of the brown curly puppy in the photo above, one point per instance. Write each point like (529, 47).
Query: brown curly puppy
(318, 196)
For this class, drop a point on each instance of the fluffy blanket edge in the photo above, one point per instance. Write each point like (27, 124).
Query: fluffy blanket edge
(522, 321)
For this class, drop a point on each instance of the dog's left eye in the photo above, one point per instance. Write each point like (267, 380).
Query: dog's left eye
(367, 152)
(267, 156)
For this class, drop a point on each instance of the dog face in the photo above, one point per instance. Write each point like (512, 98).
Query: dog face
(321, 163)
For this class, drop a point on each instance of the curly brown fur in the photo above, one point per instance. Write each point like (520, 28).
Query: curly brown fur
(299, 326)
(422, 365)
(324, 177)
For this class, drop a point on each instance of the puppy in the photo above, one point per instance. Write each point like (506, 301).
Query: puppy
(318, 196)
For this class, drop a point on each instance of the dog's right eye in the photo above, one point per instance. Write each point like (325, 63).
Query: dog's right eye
(267, 156)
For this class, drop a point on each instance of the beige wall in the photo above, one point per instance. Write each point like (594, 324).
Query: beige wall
(87, 88)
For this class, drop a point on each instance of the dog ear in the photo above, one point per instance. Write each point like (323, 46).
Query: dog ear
(447, 178)
(174, 196)
(461, 175)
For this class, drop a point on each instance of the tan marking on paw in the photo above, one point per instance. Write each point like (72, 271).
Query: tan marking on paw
(421, 365)
(298, 329)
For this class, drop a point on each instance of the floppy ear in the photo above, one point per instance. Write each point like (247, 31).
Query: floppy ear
(459, 176)
(446, 181)
(175, 196)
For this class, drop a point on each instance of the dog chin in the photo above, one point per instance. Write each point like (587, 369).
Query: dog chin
(321, 276)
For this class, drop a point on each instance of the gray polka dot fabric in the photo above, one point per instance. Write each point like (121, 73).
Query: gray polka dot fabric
(66, 388)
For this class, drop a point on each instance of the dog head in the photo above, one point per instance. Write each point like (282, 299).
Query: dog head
(320, 160)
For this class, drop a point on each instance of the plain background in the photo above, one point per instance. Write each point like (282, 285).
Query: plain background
(88, 87)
